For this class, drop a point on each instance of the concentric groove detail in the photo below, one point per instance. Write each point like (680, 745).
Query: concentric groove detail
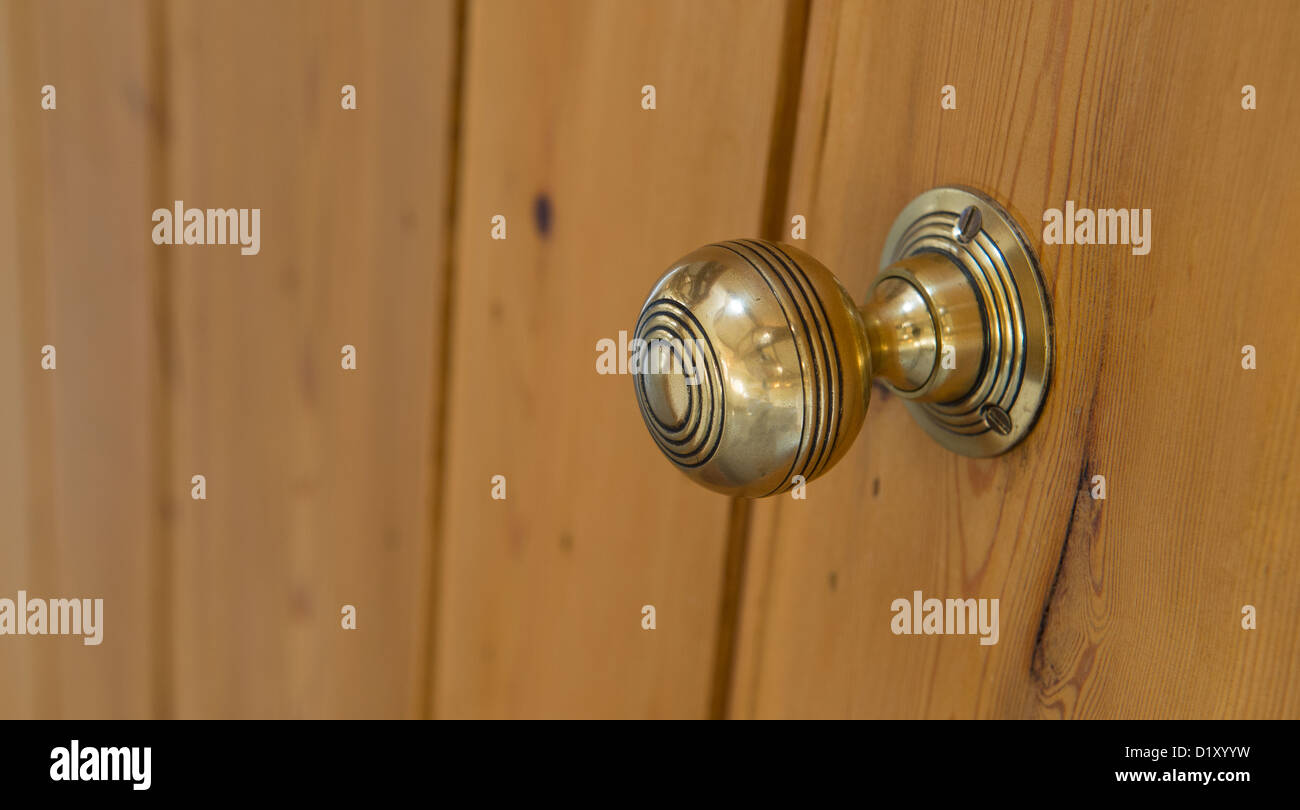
(1014, 376)
(814, 344)
(830, 390)
(1004, 319)
(693, 439)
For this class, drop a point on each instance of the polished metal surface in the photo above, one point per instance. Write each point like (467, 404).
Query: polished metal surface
(990, 412)
(768, 358)
(753, 366)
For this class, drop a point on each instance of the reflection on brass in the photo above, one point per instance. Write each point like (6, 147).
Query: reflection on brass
(762, 363)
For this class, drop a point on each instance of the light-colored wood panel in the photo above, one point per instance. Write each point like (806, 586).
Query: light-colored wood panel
(18, 671)
(80, 521)
(319, 479)
(541, 594)
(1125, 607)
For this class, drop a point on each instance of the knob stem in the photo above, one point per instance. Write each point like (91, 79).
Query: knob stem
(925, 328)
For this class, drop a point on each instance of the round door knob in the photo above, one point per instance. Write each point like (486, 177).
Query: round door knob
(753, 365)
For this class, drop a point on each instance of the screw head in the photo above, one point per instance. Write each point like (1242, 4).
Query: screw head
(998, 420)
(969, 223)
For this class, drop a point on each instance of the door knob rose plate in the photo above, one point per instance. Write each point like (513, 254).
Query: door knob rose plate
(1002, 405)
(753, 366)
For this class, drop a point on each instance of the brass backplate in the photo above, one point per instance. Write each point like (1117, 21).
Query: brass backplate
(985, 242)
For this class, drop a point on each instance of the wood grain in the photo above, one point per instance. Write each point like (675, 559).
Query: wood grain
(1127, 607)
(372, 487)
(319, 479)
(541, 593)
(80, 519)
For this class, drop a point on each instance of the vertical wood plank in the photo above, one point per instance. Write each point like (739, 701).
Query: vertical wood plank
(541, 593)
(1125, 607)
(77, 442)
(319, 479)
(17, 670)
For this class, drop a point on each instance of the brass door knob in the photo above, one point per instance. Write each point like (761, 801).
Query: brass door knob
(753, 365)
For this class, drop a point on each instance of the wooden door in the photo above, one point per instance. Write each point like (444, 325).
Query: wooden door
(177, 361)
(487, 500)
(1131, 606)
(541, 592)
